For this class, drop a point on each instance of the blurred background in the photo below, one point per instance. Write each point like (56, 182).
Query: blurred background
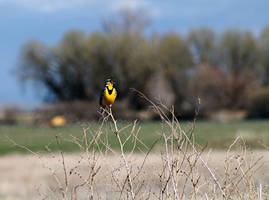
(56, 56)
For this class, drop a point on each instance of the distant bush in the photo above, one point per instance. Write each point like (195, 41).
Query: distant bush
(168, 67)
(79, 111)
(209, 84)
(258, 106)
(10, 115)
(72, 111)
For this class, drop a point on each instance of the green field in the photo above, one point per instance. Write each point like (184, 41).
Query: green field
(215, 135)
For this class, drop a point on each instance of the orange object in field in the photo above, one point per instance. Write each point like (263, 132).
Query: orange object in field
(58, 121)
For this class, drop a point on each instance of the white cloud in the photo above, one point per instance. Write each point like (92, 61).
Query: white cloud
(131, 4)
(46, 6)
(52, 6)
(134, 5)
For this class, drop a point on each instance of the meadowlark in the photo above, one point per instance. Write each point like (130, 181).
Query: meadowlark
(108, 94)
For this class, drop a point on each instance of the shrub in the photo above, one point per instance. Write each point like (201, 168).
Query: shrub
(258, 106)
(209, 84)
(10, 115)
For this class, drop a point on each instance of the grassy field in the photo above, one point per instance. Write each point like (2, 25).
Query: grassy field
(217, 135)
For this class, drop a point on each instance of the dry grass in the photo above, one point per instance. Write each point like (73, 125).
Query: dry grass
(180, 170)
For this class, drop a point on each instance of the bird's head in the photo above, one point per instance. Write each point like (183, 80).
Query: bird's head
(110, 84)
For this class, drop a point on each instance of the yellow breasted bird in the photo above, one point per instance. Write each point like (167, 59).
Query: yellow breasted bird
(109, 94)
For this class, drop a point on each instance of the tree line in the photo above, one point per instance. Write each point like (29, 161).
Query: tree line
(228, 70)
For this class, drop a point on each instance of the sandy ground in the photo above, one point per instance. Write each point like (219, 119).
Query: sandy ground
(32, 177)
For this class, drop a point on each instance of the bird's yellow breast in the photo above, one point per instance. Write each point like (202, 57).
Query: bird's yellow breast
(109, 98)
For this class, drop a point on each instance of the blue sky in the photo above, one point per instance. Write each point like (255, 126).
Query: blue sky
(48, 20)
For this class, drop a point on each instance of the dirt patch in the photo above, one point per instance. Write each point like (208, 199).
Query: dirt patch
(32, 177)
